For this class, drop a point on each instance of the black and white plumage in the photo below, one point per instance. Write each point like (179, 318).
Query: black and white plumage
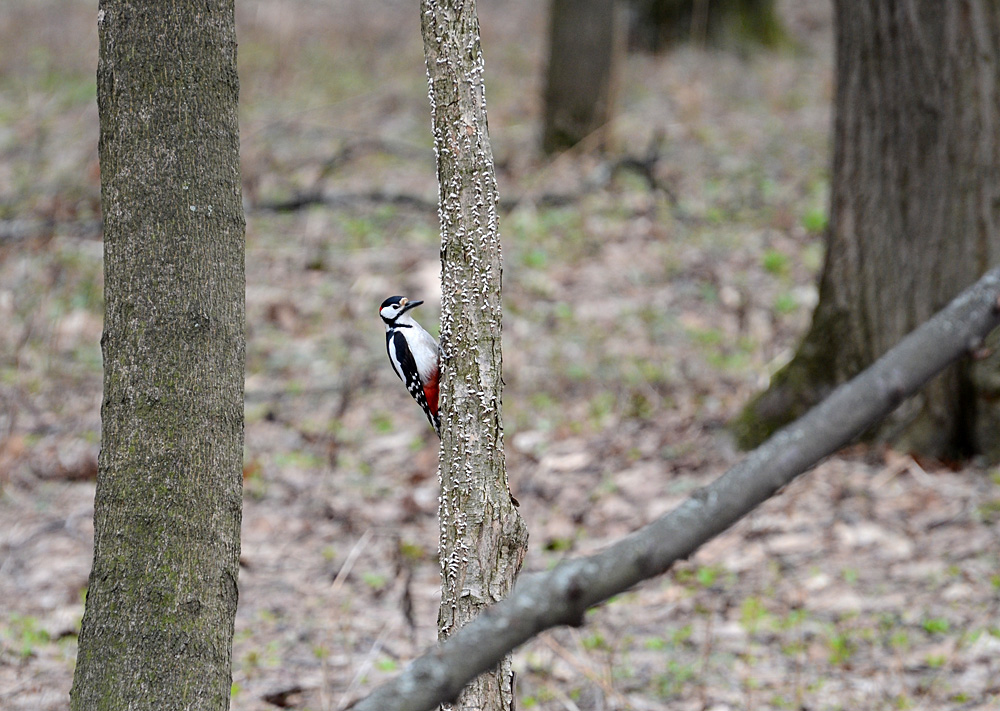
(414, 354)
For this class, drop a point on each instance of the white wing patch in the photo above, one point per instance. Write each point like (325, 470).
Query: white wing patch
(409, 371)
(397, 366)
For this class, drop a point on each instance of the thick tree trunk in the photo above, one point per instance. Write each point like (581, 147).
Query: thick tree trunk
(585, 51)
(483, 539)
(658, 24)
(915, 212)
(157, 630)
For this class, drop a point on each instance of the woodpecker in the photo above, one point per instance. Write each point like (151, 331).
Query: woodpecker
(414, 354)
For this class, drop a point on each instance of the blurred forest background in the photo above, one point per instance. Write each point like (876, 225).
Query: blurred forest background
(650, 290)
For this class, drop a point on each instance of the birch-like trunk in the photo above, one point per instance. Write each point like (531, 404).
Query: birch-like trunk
(914, 214)
(158, 626)
(483, 538)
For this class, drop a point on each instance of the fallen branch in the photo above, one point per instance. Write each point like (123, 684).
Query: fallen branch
(562, 596)
(598, 179)
(301, 201)
(30, 228)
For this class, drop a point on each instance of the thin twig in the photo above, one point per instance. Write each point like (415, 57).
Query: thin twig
(367, 663)
(352, 557)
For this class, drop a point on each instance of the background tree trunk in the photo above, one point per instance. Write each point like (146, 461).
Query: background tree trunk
(658, 24)
(158, 625)
(483, 538)
(914, 213)
(586, 44)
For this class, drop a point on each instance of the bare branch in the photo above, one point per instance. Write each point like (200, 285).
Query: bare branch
(304, 200)
(596, 180)
(561, 596)
(417, 203)
(29, 228)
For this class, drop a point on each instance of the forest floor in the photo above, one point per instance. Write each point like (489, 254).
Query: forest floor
(639, 316)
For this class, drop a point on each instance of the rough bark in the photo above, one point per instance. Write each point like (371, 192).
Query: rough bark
(158, 625)
(483, 539)
(914, 215)
(586, 44)
(561, 596)
(658, 24)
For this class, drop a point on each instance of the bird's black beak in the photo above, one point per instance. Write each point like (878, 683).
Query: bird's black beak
(409, 305)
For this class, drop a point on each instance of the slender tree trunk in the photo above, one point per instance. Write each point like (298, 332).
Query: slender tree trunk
(586, 47)
(158, 626)
(483, 538)
(915, 212)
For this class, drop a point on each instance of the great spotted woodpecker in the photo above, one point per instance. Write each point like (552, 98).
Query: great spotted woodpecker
(414, 354)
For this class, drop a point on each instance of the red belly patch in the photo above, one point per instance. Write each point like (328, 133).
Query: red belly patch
(431, 393)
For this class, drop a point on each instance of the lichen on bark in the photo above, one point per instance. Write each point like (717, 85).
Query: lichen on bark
(483, 539)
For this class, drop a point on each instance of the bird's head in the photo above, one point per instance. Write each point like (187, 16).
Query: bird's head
(394, 307)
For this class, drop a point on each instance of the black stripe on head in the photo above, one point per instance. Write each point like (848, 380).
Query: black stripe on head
(394, 307)
(393, 314)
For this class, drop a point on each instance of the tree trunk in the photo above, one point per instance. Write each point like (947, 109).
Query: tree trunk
(657, 24)
(158, 625)
(562, 595)
(914, 213)
(585, 51)
(483, 538)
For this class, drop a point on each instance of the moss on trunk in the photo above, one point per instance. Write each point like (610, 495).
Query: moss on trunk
(157, 629)
(659, 24)
(914, 218)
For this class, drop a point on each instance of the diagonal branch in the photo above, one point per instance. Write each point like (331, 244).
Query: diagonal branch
(561, 596)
